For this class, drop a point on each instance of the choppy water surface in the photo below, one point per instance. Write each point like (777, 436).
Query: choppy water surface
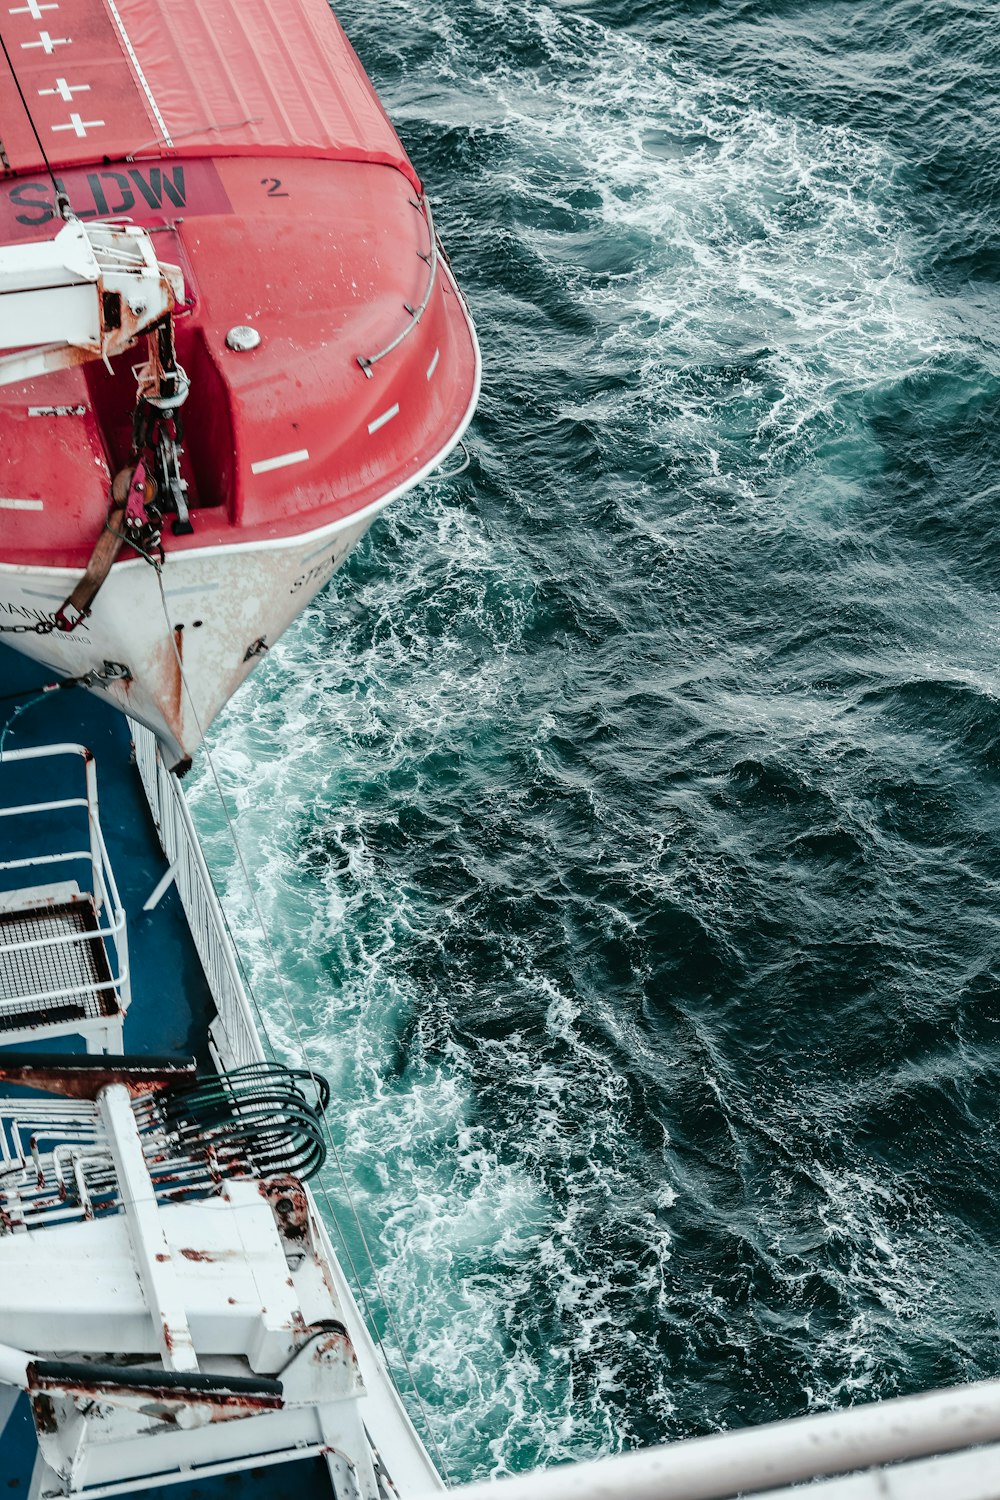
(625, 814)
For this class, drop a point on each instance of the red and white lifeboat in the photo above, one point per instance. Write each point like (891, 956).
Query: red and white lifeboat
(228, 337)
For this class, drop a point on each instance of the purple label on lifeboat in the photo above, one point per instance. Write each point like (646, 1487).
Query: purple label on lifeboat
(145, 193)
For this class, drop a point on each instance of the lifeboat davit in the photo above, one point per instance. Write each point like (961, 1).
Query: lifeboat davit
(228, 338)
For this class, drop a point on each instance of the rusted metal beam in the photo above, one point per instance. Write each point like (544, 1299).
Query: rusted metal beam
(83, 1077)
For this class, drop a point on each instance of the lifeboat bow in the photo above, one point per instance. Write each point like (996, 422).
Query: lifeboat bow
(308, 354)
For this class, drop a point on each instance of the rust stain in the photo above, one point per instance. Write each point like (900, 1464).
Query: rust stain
(248, 1403)
(171, 1396)
(289, 1205)
(178, 663)
(165, 683)
(44, 1412)
(75, 1082)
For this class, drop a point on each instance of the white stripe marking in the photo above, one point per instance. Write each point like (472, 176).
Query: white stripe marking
(49, 43)
(434, 363)
(65, 90)
(79, 124)
(21, 504)
(386, 416)
(33, 9)
(265, 465)
(127, 41)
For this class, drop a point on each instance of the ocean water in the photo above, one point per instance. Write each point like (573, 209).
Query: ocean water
(625, 814)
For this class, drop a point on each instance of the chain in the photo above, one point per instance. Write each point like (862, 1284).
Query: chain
(40, 627)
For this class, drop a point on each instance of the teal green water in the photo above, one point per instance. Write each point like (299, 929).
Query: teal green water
(625, 813)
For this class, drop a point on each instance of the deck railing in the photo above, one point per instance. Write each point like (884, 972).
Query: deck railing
(938, 1445)
(56, 964)
(234, 1035)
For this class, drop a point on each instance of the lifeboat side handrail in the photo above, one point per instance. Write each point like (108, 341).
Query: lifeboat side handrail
(416, 313)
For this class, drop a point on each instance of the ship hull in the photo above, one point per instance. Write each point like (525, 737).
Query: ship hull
(171, 648)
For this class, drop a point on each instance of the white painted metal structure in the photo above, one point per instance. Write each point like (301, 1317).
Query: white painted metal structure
(233, 1035)
(86, 294)
(229, 1291)
(63, 947)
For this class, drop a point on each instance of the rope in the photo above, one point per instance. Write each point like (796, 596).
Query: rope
(16, 715)
(50, 687)
(438, 1456)
(35, 692)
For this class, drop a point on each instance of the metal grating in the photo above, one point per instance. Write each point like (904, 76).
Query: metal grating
(67, 962)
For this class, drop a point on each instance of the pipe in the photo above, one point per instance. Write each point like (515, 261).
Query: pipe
(971, 1475)
(770, 1456)
(14, 1366)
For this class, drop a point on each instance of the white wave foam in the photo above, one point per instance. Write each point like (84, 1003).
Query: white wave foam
(744, 274)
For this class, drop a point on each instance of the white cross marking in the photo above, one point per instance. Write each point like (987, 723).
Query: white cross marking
(32, 9)
(80, 126)
(48, 42)
(66, 90)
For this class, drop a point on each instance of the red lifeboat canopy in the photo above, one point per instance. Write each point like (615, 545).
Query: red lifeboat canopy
(137, 78)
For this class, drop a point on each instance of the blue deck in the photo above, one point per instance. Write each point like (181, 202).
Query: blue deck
(171, 1002)
(171, 1006)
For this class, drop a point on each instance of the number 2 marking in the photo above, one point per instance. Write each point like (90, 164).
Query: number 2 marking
(274, 190)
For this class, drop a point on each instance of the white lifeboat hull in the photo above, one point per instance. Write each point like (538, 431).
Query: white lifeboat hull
(172, 658)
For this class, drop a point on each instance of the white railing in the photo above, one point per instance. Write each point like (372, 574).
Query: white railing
(941, 1430)
(42, 954)
(233, 1033)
